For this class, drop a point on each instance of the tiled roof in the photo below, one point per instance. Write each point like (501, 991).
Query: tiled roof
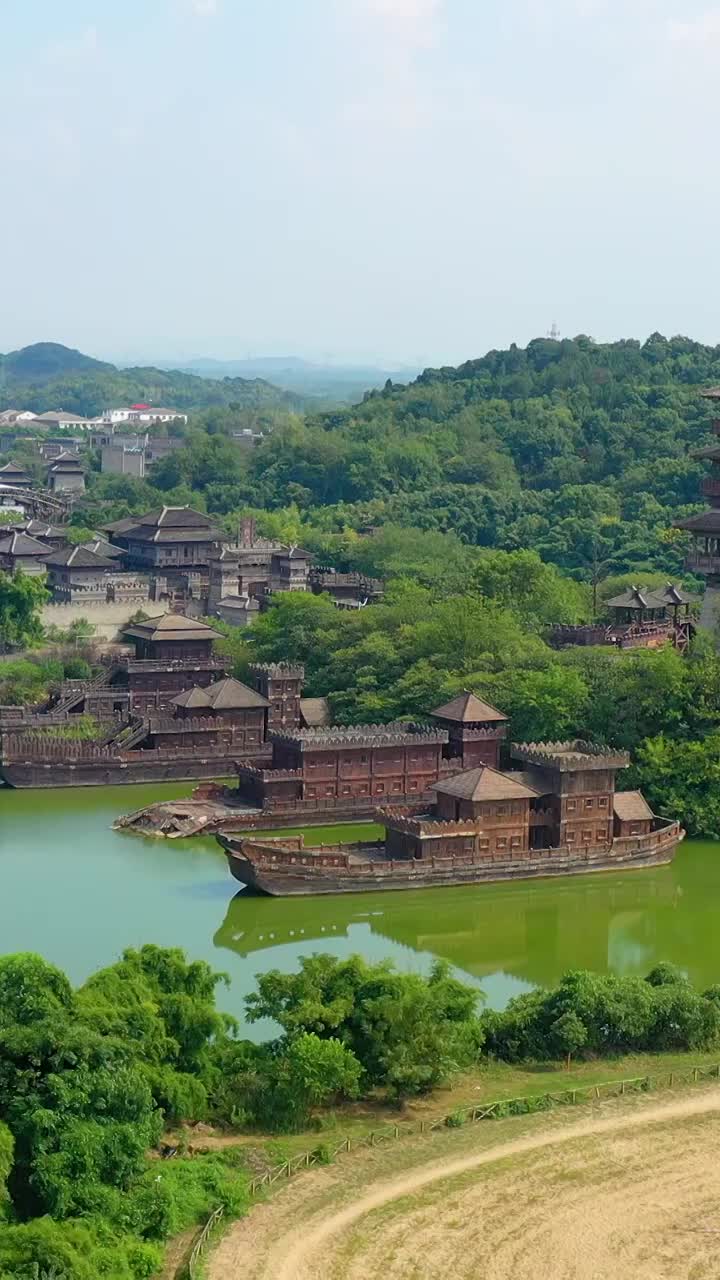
(315, 712)
(631, 806)
(20, 544)
(230, 694)
(79, 558)
(468, 709)
(636, 598)
(705, 522)
(171, 626)
(485, 784)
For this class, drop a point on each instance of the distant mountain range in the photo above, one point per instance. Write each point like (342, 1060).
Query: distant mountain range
(331, 382)
(47, 375)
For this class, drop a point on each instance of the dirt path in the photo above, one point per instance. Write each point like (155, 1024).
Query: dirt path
(633, 1192)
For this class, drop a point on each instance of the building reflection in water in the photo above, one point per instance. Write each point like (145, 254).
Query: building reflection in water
(505, 937)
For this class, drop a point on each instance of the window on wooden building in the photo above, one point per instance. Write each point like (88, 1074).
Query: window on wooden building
(603, 802)
(570, 837)
(587, 835)
(571, 806)
(588, 803)
(501, 842)
(483, 844)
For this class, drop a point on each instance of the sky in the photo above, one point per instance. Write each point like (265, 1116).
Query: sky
(402, 181)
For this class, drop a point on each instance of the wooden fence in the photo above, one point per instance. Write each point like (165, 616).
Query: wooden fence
(497, 1110)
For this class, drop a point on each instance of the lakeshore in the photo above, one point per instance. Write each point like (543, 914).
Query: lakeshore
(79, 892)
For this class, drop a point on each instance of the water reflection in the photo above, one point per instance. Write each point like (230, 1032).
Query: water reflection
(504, 937)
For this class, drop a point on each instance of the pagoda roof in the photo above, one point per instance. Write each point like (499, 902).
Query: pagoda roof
(705, 522)
(120, 526)
(40, 529)
(674, 595)
(485, 783)
(710, 451)
(636, 598)
(171, 626)
(78, 557)
(467, 709)
(66, 462)
(21, 544)
(174, 518)
(712, 393)
(231, 695)
(12, 469)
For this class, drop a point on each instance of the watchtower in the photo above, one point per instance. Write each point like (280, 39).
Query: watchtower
(475, 730)
(577, 780)
(281, 683)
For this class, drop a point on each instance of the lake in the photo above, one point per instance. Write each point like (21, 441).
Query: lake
(78, 892)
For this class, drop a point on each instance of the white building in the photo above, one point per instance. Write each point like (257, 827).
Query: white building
(142, 413)
(55, 418)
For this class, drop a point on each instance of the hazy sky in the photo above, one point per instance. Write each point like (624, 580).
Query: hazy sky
(390, 179)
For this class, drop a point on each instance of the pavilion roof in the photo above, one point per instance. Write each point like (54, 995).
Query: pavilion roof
(672, 594)
(712, 393)
(231, 695)
(468, 709)
(171, 626)
(636, 598)
(485, 784)
(705, 522)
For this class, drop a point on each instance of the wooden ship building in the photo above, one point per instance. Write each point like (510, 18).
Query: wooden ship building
(556, 814)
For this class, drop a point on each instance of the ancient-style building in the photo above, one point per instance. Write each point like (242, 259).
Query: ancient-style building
(558, 814)
(167, 711)
(475, 730)
(345, 769)
(66, 474)
(640, 619)
(168, 540)
(15, 476)
(347, 590)
(19, 551)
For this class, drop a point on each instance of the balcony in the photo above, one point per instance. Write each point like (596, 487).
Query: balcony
(710, 486)
(704, 562)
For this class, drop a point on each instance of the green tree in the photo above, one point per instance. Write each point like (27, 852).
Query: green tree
(21, 597)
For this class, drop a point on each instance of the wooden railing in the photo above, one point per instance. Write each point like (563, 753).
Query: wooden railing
(500, 1109)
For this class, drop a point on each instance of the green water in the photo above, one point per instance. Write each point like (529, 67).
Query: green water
(78, 892)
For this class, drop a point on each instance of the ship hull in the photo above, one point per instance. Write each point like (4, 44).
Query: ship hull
(29, 776)
(286, 881)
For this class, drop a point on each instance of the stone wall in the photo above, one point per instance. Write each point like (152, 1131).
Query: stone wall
(106, 618)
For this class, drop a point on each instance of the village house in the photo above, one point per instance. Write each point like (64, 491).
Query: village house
(56, 418)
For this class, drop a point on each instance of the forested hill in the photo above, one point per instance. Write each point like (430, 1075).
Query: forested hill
(48, 375)
(577, 449)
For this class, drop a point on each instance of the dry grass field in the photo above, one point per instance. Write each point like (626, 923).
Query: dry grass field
(626, 1190)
